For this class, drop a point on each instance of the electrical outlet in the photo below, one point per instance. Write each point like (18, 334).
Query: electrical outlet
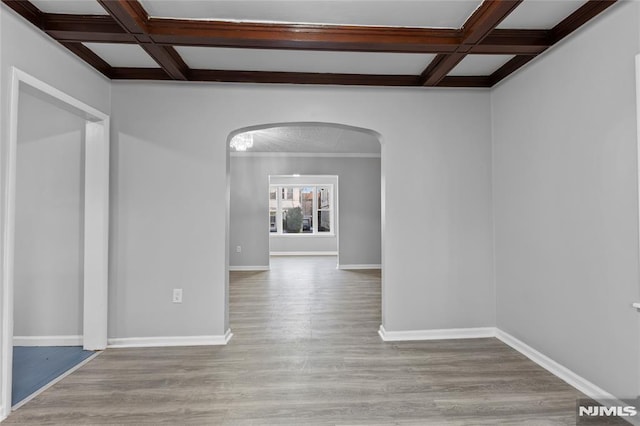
(177, 295)
(238, 249)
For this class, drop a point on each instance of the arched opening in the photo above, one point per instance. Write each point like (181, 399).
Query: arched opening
(329, 175)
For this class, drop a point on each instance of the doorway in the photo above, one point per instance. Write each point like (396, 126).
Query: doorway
(297, 162)
(92, 237)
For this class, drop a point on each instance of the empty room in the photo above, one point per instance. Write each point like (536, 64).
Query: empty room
(361, 212)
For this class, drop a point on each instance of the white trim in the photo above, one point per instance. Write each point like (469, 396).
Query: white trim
(47, 340)
(150, 342)
(95, 254)
(303, 253)
(305, 154)
(347, 267)
(302, 235)
(96, 235)
(440, 334)
(54, 381)
(249, 268)
(558, 370)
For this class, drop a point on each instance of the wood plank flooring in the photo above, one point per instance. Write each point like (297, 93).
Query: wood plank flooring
(305, 351)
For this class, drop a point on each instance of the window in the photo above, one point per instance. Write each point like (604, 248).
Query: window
(301, 209)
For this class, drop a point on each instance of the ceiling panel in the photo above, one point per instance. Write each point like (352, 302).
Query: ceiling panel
(408, 13)
(300, 61)
(314, 138)
(74, 7)
(540, 14)
(480, 65)
(123, 55)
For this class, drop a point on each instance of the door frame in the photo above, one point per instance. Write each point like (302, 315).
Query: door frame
(96, 223)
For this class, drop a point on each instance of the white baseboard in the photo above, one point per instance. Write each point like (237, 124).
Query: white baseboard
(580, 383)
(303, 253)
(354, 267)
(558, 370)
(47, 340)
(448, 333)
(149, 342)
(249, 268)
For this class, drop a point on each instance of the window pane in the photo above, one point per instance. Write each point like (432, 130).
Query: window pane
(273, 206)
(291, 211)
(306, 203)
(287, 193)
(324, 221)
(323, 199)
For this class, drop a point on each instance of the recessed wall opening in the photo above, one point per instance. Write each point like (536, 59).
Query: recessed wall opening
(54, 282)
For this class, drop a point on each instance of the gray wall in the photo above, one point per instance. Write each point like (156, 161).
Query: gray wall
(169, 182)
(49, 224)
(566, 212)
(358, 218)
(45, 59)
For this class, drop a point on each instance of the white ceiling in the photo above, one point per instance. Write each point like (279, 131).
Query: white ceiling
(540, 14)
(314, 139)
(410, 13)
(302, 61)
(79, 7)
(480, 64)
(123, 55)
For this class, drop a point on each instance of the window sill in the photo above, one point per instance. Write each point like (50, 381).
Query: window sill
(301, 235)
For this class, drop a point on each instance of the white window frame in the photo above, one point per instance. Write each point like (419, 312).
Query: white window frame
(315, 233)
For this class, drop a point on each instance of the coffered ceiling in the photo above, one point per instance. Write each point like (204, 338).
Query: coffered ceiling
(421, 43)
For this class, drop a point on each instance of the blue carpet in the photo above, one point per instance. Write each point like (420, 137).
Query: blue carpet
(35, 366)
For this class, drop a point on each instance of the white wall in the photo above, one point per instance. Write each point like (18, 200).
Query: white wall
(48, 272)
(565, 200)
(169, 180)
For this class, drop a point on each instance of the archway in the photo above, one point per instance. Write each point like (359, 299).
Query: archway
(299, 156)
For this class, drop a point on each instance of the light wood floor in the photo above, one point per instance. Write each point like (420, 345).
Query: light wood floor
(306, 351)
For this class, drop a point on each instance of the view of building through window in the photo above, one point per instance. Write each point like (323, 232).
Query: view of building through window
(300, 209)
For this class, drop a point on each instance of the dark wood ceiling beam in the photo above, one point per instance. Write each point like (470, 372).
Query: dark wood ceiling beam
(85, 28)
(466, 81)
(90, 57)
(134, 19)
(125, 73)
(303, 78)
(514, 42)
(584, 14)
(439, 68)
(302, 36)
(480, 24)
(486, 18)
(27, 10)
(581, 16)
(128, 13)
(510, 67)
